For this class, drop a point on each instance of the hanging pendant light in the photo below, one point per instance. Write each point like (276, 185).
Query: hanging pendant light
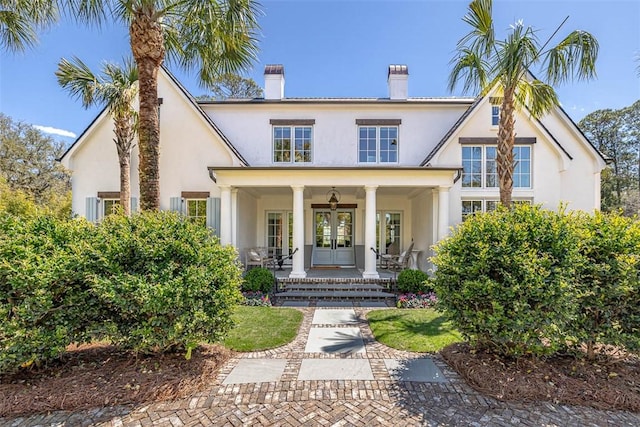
(334, 198)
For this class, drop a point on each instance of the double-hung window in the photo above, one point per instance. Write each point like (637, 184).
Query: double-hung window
(377, 141)
(196, 210)
(480, 168)
(292, 141)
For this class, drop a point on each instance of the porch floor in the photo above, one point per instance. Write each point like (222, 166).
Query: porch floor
(335, 273)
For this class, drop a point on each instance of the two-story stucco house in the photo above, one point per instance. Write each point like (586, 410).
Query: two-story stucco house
(334, 177)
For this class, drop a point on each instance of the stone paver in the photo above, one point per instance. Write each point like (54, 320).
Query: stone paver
(335, 369)
(418, 370)
(256, 371)
(335, 340)
(334, 317)
(292, 400)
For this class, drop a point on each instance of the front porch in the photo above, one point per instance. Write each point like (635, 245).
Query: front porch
(287, 210)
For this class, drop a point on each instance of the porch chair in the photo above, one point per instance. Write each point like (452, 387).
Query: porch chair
(400, 262)
(393, 251)
(257, 257)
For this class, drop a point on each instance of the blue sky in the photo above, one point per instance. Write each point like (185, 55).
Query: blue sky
(343, 48)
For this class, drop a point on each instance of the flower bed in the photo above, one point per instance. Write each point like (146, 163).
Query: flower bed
(419, 300)
(256, 298)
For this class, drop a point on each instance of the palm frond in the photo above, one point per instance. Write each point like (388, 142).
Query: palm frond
(536, 96)
(481, 38)
(20, 20)
(573, 57)
(77, 78)
(469, 67)
(515, 54)
(94, 12)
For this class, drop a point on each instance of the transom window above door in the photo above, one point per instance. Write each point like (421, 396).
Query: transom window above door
(292, 141)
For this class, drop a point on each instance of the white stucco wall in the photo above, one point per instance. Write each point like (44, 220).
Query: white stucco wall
(335, 133)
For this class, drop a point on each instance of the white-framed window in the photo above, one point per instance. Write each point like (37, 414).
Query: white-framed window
(109, 206)
(479, 168)
(378, 144)
(196, 210)
(279, 233)
(472, 206)
(495, 115)
(292, 144)
(389, 230)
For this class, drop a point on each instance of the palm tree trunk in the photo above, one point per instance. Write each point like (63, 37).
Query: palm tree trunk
(125, 183)
(506, 141)
(147, 45)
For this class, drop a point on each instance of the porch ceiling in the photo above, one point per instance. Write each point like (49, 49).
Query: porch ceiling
(345, 191)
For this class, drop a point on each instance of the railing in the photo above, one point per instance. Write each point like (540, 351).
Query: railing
(278, 262)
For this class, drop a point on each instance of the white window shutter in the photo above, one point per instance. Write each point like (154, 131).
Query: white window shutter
(91, 212)
(175, 204)
(213, 214)
(134, 204)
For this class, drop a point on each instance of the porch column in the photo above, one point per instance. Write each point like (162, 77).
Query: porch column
(225, 214)
(370, 271)
(443, 212)
(297, 268)
(234, 217)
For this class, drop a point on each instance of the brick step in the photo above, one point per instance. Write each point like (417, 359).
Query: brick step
(334, 295)
(331, 287)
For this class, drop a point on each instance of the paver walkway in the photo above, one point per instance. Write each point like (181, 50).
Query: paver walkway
(335, 373)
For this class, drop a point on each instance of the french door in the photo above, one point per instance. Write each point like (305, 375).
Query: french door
(280, 234)
(333, 243)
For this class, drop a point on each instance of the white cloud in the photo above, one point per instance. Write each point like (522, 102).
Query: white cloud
(55, 131)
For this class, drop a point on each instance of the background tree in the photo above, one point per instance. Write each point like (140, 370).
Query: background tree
(28, 161)
(116, 87)
(233, 86)
(483, 63)
(21, 19)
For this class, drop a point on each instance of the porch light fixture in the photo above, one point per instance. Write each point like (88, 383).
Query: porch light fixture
(334, 199)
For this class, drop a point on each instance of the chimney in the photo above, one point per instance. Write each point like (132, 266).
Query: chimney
(274, 81)
(398, 80)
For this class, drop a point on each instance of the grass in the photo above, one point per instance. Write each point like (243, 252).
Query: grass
(419, 330)
(262, 328)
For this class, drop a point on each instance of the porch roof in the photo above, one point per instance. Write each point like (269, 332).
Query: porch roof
(382, 176)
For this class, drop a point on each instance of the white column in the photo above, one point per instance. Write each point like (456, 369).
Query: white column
(370, 271)
(234, 217)
(297, 268)
(225, 214)
(443, 212)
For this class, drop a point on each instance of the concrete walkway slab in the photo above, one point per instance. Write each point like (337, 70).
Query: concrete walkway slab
(334, 317)
(334, 304)
(417, 370)
(335, 340)
(335, 369)
(256, 371)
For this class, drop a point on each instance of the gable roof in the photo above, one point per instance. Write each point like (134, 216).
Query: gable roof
(190, 99)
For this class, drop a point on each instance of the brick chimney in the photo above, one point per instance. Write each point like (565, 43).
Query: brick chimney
(398, 81)
(274, 81)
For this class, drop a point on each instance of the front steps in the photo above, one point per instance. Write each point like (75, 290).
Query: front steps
(342, 290)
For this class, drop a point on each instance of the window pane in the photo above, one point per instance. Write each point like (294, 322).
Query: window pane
(522, 167)
(302, 144)
(281, 144)
(491, 173)
(367, 145)
(495, 115)
(472, 166)
(469, 207)
(197, 211)
(388, 144)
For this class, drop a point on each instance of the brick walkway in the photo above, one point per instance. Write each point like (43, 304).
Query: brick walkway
(381, 401)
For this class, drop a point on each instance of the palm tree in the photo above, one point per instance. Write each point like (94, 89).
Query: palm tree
(20, 19)
(485, 63)
(213, 37)
(116, 87)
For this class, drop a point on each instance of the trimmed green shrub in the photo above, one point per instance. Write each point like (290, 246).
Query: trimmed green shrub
(45, 303)
(609, 283)
(507, 279)
(413, 281)
(165, 283)
(258, 279)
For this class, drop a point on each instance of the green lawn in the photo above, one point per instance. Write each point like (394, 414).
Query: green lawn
(262, 328)
(419, 330)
